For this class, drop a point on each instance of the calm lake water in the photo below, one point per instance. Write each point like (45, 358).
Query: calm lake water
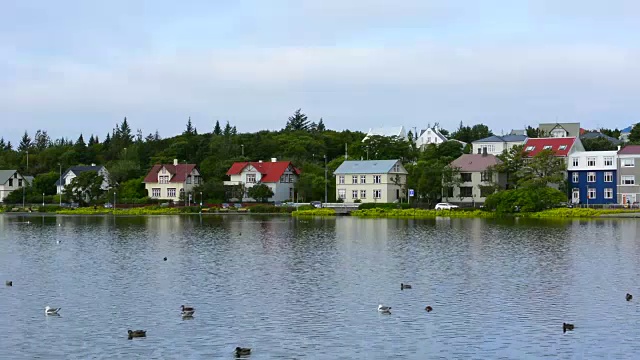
(309, 288)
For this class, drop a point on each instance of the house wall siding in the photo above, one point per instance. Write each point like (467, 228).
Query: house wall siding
(5, 189)
(631, 192)
(393, 187)
(599, 185)
(164, 188)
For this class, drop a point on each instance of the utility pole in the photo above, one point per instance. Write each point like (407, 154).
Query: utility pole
(325, 179)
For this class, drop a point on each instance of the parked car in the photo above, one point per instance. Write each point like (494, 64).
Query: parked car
(108, 205)
(317, 204)
(446, 206)
(225, 206)
(277, 203)
(237, 206)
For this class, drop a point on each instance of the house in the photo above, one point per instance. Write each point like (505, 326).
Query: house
(11, 180)
(629, 174)
(371, 181)
(495, 144)
(477, 178)
(561, 146)
(388, 131)
(624, 133)
(430, 135)
(561, 130)
(170, 181)
(592, 177)
(518, 132)
(74, 171)
(592, 135)
(279, 176)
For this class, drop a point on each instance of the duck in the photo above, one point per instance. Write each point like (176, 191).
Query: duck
(404, 286)
(187, 309)
(629, 297)
(165, 258)
(428, 308)
(8, 283)
(51, 311)
(384, 309)
(240, 351)
(567, 327)
(137, 333)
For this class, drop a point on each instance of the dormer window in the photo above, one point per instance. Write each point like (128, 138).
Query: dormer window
(530, 148)
(562, 147)
(547, 147)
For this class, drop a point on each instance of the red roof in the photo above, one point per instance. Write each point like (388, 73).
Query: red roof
(178, 172)
(630, 150)
(271, 171)
(561, 146)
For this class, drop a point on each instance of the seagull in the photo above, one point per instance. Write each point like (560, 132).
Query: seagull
(384, 309)
(51, 311)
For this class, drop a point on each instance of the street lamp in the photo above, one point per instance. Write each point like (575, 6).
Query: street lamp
(325, 178)
(60, 182)
(200, 198)
(242, 147)
(42, 199)
(114, 202)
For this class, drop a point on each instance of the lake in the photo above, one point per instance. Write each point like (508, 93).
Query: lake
(309, 288)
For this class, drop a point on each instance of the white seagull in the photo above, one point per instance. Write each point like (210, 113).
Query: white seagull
(384, 309)
(51, 311)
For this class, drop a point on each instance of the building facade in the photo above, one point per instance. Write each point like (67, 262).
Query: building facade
(371, 181)
(11, 180)
(169, 181)
(478, 179)
(496, 145)
(67, 176)
(628, 179)
(279, 176)
(592, 177)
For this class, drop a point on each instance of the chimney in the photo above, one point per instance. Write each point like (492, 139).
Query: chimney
(260, 161)
(479, 151)
(175, 162)
(619, 147)
(274, 160)
(484, 151)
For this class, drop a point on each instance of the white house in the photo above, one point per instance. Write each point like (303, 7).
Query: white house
(390, 131)
(371, 181)
(495, 145)
(168, 181)
(560, 130)
(279, 176)
(430, 135)
(11, 180)
(74, 171)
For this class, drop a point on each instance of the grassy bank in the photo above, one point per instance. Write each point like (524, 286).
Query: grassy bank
(150, 210)
(419, 213)
(314, 212)
(576, 213)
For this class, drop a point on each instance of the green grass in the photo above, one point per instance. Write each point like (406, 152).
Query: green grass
(419, 213)
(149, 210)
(314, 212)
(576, 213)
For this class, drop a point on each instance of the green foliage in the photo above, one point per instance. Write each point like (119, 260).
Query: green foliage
(297, 122)
(383, 206)
(260, 192)
(525, 199)
(577, 213)
(598, 144)
(468, 134)
(634, 136)
(314, 212)
(271, 209)
(418, 213)
(615, 133)
(85, 188)
(132, 189)
(535, 132)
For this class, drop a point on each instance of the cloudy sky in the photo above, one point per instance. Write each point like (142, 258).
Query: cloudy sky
(74, 66)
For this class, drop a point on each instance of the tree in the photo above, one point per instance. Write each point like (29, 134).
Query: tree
(260, 192)
(598, 144)
(41, 140)
(535, 132)
(525, 199)
(513, 162)
(190, 130)
(227, 130)
(85, 188)
(634, 136)
(320, 128)
(297, 122)
(25, 143)
(470, 134)
(543, 169)
(217, 130)
(613, 133)
(132, 189)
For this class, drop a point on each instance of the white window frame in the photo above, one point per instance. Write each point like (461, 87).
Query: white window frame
(608, 161)
(630, 178)
(591, 177)
(171, 192)
(363, 179)
(575, 161)
(530, 148)
(608, 177)
(591, 161)
(608, 193)
(341, 179)
(354, 194)
(354, 179)
(591, 193)
(342, 194)
(547, 147)
(250, 178)
(562, 147)
(576, 177)
(630, 162)
(363, 194)
(377, 179)
(155, 192)
(377, 194)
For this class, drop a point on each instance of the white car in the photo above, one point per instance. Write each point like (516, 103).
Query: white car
(445, 206)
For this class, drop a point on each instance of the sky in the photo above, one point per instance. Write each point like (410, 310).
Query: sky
(77, 66)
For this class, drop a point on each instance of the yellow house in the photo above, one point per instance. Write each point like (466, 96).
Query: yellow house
(168, 181)
(371, 181)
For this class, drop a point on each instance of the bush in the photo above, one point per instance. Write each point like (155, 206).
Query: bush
(306, 207)
(527, 199)
(418, 213)
(384, 206)
(315, 212)
(271, 209)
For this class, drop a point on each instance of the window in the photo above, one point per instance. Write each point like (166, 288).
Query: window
(529, 148)
(608, 193)
(377, 179)
(547, 147)
(363, 194)
(251, 178)
(466, 191)
(10, 182)
(591, 177)
(608, 177)
(485, 176)
(466, 177)
(591, 161)
(377, 194)
(396, 168)
(164, 179)
(628, 162)
(575, 194)
(341, 179)
(576, 178)
(591, 194)
(628, 180)
(171, 192)
(363, 179)
(486, 191)
(342, 194)
(189, 179)
(575, 161)
(608, 161)
(562, 147)
(354, 179)
(155, 192)
(19, 182)
(354, 194)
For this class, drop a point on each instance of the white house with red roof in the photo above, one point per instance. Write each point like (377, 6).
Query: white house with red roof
(168, 181)
(561, 146)
(279, 176)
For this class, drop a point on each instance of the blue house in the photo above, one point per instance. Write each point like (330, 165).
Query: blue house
(592, 177)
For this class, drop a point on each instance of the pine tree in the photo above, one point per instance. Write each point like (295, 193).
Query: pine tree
(227, 130)
(234, 131)
(139, 137)
(2, 144)
(80, 145)
(190, 129)
(41, 140)
(156, 136)
(107, 140)
(92, 140)
(634, 135)
(124, 133)
(297, 122)
(9, 147)
(320, 126)
(217, 130)
(25, 142)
